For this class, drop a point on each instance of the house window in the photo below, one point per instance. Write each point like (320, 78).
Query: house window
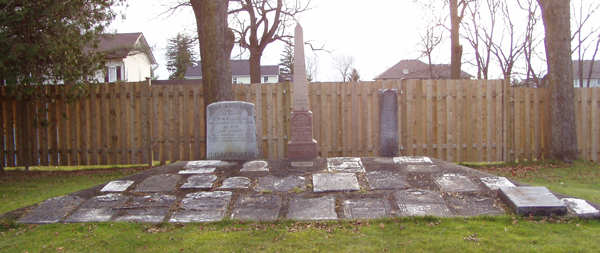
(114, 74)
(235, 80)
(265, 79)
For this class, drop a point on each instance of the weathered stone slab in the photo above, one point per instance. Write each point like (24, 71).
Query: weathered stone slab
(345, 164)
(203, 207)
(534, 200)
(117, 186)
(255, 166)
(388, 122)
(455, 183)
(236, 183)
(257, 207)
(98, 208)
(412, 160)
(108, 200)
(52, 210)
(159, 183)
(496, 182)
(580, 207)
(335, 182)
(371, 208)
(322, 208)
(280, 184)
(386, 180)
(154, 200)
(421, 203)
(150, 215)
(302, 164)
(201, 163)
(199, 182)
(231, 131)
(474, 205)
(200, 170)
(420, 168)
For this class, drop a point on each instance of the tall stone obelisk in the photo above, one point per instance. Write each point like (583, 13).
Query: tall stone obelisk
(302, 144)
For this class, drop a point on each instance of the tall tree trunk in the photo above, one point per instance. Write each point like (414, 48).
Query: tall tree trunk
(255, 66)
(456, 53)
(563, 141)
(216, 43)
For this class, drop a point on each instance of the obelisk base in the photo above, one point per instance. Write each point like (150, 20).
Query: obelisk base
(302, 144)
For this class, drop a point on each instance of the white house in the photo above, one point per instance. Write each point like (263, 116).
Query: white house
(240, 72)
(129, 57)
(594, 78)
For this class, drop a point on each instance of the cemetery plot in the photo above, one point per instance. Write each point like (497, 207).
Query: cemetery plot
(236, 183)
(203, 207)
(421, 203)
(258, 207)
(455, 183)
(335, 182)
(52, 210)
(345, 164)
(322, 208)
(159, 183)
(496, 182)
(386, 180)
(372, 208)
(199, 182)
(473, 205)
(276, 184)
(98, 208)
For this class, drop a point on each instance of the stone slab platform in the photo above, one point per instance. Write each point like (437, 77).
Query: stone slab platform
(300, 189)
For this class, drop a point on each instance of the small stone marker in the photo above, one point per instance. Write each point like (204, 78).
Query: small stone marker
(388, 122)
(152, 208)
(580, 207)
(371, 208)
(199, 182)
(277, 184)
(421, 203)
(255, 166)
(203, 207)
(159, 183)
(386, 180)
(335, 182)
(257, 208)
(455, 183)
(345, 164)
(322, 208)
(496, 182)
(236, 183)
(534, 200)
(52, 210)
(117, 186)
(98, 208)
(412, 160)
(231, 131)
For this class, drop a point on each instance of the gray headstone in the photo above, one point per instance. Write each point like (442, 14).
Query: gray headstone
(278, 184)
(322, 208)
(335, 182)
(534, 200)
(117, 186)
(236, 183)
(455, 183)
(231, 131)
(98, 208)
(159, 183)
(255, 166)
(199, 182)
(388, 122)
(496, 182)
(385, 180)
(203, 207)
(345, 164)
(52, 210)
(367, 208)
(421, 203)
(258, 207)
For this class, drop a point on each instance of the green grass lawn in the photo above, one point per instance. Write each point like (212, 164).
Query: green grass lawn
(474, 234)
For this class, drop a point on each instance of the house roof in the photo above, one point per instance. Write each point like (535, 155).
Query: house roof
(238, 68)
(121, 44)
(416, 69)
(586, 69)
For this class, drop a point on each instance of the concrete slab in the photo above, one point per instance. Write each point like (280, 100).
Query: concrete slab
(494, 183)
(371, 208)
(335, 182)
(159, 183)
(144, 214)
(203, 207)
(280, 184)
(412, 160)
(257, 207)
(252, 166)
(52, 210)
(421, 203)
(322, 208)
(117, 186)
(109, 200)
(345, 164)
(236, 183)
(386, 180)
(154, 200)
(534, 200)
(580, 207)
(103, 214)
(455, 183)
(473, 205)
(204, 181)
(201, 163)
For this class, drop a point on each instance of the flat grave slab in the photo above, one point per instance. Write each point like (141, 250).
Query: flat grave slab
(322, 208)
(117, 186)
(580, 207)
(455, 183)
(236, 183)
(159, 183)
(386, 180)
(201, 164)
(421, 203)
(257, 207)
(203, 181)
(98, 209)
(335, 182)
(150, 215)
(496, 182)
(154, 200)
(280, 184)
(302, 164)
(412, 160)
(200, 170)
(474, 205)
(420, 168)
(534, 200)
(345, 164)
(203, 207)
(371, 208)
(52, 210)
(255, 166)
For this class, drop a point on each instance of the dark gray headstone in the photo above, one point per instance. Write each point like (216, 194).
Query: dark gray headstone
(322, 208)
(335, 182)
(367, 208)
(386, 180)
(534, 200)
(455, 183)
(257, 207)
(159, 183)
(345, 164)
(52, 210)
(231, 131)
(388, 122)
(204, 181)
(236, 183)
(203, 207)
(280, 184)
(421, 203)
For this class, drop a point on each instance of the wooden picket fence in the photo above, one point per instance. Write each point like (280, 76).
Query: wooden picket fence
(137, 123)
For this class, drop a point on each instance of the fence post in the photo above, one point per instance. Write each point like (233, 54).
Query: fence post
(506, 96)
(146, 116)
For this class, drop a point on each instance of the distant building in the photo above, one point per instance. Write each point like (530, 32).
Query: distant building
(594, 78)
(129, 57)
(240, 72)
(416, 69)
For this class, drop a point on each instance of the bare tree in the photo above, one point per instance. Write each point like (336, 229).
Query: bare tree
(507, 55)
(343, 64)
(432, 38)
(581, 17)
(532, 40)
(457, 12)
(479, 33)
(312, 68)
